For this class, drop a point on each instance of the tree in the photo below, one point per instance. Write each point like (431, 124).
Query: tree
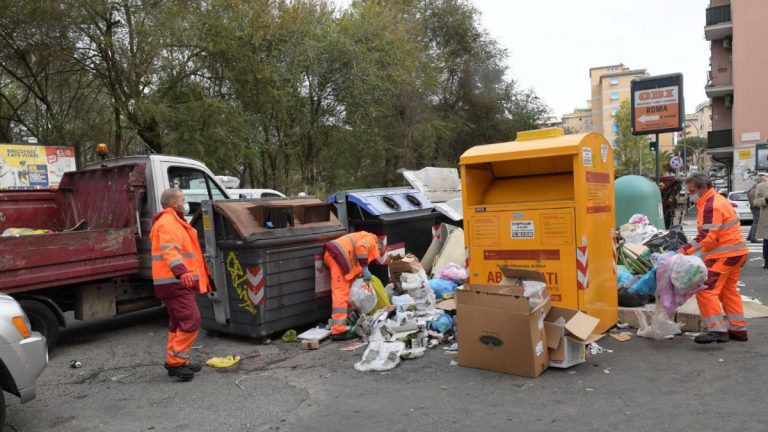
(633, 152)
(694, 147)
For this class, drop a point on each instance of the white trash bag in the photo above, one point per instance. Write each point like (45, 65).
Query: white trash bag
(362, 296)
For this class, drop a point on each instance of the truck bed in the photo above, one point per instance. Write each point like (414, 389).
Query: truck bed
(105, 198)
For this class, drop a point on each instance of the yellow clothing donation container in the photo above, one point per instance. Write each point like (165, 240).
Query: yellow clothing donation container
(545, 202)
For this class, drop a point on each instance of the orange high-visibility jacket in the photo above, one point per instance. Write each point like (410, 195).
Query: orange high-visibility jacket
(719, 229)
(353, 251)
(175, 251)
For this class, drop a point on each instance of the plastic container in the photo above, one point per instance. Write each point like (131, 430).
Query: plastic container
(405, 217)
(637, 194)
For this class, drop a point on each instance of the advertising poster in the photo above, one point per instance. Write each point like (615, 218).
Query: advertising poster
(25, 166)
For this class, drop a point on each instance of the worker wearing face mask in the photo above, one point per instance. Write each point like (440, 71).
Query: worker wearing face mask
(722, 248)
(180, 274)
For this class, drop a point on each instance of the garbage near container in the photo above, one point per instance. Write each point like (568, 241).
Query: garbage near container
(265, 267)
(402, 217)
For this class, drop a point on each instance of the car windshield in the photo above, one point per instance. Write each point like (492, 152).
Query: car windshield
(739, 196)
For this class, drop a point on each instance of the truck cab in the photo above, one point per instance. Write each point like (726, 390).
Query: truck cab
(89, 251)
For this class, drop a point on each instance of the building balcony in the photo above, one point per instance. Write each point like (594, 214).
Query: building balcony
(719, 25)
(718, 90)
(720, 139)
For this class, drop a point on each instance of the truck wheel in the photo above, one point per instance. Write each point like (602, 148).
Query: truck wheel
(42, 320)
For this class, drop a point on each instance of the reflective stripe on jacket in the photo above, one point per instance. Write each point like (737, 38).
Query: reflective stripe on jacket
(719, 233)
(175, 251)
(353, 251)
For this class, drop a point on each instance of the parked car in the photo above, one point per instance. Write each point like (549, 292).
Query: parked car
(23, 354)
(739, 200)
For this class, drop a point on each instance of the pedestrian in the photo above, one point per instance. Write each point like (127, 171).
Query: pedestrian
(348, 258)
(755, 209)
(720, 244)
(761, 193)
(180, 273)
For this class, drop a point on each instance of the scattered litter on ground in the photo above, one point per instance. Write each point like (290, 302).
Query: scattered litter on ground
(290, 336)
(197, 346)
(119, 377)
(352, 346)
(621, 337)
(222, 362)
(606, 371)
(755, 259)
(594, 349)
(454, 363)
(589, 389)
(741, 284)
(721, 360)
(754, 308)
(622, 325)
(315, 334)
(75, 364)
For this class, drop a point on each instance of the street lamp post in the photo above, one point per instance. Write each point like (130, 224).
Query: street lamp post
(685, 145)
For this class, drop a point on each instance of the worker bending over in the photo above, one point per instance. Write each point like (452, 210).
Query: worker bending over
(348, 257)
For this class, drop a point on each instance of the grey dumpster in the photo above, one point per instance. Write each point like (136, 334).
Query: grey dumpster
(266, 256)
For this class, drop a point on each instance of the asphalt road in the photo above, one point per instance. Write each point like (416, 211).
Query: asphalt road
(642, 385)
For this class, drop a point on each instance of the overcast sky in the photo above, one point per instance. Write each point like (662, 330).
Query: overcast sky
(553, 43)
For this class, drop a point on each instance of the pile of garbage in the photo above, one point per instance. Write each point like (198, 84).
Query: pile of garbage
(650, 270)
(414, 321)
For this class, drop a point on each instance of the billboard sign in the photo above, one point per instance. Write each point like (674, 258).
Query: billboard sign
(29, 166)
(657, 104)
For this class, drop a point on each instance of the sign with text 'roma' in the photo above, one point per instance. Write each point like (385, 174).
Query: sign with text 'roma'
(657, 104)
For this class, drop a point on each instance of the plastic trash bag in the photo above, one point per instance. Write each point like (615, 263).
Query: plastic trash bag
(672, 240)
(661, 325)
(624, 277)
(362, 296)
(646, 284)
(689, 275)
(443, 324)
(637, 234)
(688, 272)
(382, 297)
(628, 299)
(442, 288)
(639, 219)
(453, 272)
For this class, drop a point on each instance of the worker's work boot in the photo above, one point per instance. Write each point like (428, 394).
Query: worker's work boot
(738, 335)
(712, 336)
(183, 372)
(194, 367)
(344, 336)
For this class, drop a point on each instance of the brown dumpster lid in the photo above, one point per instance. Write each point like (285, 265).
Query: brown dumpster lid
(244, 215)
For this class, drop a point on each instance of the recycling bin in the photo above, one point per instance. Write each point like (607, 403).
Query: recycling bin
(266, 260)
(403, 218)
(545, 203)
(637, 194)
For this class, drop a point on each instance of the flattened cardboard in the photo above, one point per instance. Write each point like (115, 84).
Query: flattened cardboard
(447, 305)
(582, 325)
(513, 275)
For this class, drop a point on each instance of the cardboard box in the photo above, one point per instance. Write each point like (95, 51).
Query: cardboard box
(568, 333)
(499, 329)
(690, 316)
(406, 264)
(309, 344)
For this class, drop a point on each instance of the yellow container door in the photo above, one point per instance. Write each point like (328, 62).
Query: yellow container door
(535, 239)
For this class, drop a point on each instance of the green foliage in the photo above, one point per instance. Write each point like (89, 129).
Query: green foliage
(632, 152)
(288, 94)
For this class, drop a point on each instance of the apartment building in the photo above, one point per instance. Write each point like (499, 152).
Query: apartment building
(736, 85)
(578, 121)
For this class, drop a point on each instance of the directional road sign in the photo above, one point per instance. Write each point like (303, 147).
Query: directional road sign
(657, 104)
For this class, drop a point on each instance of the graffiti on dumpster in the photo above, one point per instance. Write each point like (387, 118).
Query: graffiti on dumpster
(248, 283)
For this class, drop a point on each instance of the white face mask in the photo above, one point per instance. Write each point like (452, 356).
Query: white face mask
(695, 197)
(186, 208)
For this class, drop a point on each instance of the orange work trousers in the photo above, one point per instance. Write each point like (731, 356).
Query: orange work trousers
(183, 327)
(722, 293)
(340, 287)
